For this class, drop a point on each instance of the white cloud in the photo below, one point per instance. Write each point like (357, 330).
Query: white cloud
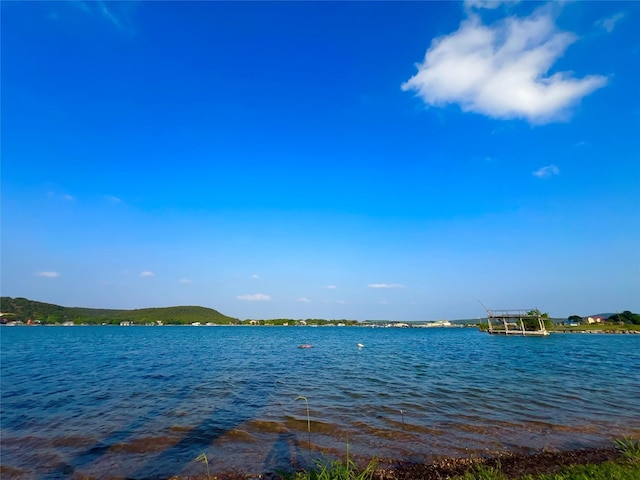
(501, 70)
(68, 197)
(341, 302)
(113, 199)
(383, 302)
(609, 23)
(254, 276)
(385, 285)
(184, 281)
(256, 297)
(48, 274)
(303, 299)
(546, 172)
(331, 287)
(146, 274)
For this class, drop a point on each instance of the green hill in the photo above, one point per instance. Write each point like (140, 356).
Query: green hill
(22, 309)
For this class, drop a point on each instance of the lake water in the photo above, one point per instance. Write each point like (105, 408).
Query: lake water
(144, 402)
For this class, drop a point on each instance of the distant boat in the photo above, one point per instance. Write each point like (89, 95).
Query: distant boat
(360, 345)
(305, 345)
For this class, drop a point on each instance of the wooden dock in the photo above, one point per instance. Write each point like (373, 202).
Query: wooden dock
(516, 322)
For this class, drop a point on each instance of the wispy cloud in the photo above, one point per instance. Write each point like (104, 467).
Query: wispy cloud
(385, 285)
(113, 199)
(84, 6)
(256, 297)
(100, 7)
(501, 70)
(490, 4)
(184, 281)
(118, 14)
(303, 299)
(146, 273)
(255, 277)
(108, 14)
(48, 274)
(383, 302)
(609, 23)
(546, 172)
(63, 196)
(331, 287)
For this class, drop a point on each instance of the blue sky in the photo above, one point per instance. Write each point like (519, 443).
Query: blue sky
(364, 160)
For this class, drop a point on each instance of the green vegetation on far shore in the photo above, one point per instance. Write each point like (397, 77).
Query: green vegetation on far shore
(24, 310)
(599, 327)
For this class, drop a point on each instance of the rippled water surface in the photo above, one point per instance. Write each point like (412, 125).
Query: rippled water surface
(144, 402)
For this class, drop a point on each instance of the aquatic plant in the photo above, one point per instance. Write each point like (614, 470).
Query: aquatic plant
(203, 458)
(335, 470)
(300, 397)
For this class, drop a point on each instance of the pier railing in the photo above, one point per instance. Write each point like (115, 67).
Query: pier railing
(515, 322)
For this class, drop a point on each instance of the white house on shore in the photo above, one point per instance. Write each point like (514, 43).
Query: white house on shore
(592, 320)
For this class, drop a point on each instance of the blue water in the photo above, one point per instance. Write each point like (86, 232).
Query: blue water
(144, 402)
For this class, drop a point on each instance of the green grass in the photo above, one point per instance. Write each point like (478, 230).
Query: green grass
(614, 470)
(603, 471)
(482, 472)
(630, 450)
(337, 470)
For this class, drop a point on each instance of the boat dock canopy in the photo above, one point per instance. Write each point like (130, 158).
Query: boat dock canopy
(515, 322)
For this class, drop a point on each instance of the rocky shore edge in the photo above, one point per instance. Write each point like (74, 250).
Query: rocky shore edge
(513, 465)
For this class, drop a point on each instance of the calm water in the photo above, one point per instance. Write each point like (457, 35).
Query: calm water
(144, 402)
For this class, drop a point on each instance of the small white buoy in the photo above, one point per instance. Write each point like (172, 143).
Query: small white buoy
(360, 345)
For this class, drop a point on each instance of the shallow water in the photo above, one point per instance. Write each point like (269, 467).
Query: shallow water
(144, 402)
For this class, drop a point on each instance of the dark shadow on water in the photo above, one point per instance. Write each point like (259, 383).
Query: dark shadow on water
(174, 459)
(67, 469)
(286, 456)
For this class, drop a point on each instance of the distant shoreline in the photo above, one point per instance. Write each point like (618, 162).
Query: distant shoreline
(635, 330)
